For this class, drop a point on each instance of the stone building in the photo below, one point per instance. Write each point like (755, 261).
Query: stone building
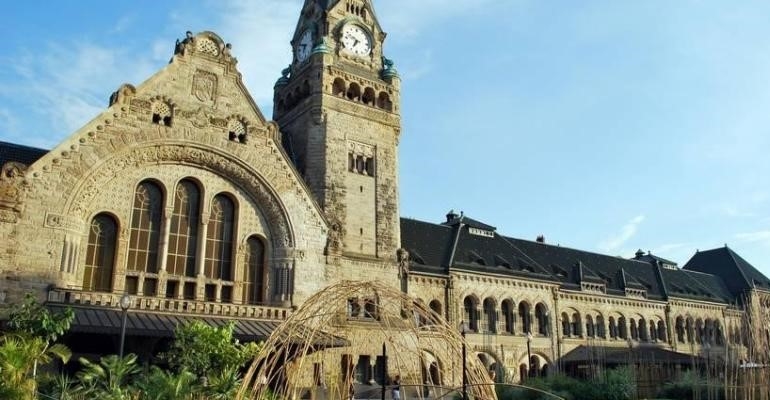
(182, 194)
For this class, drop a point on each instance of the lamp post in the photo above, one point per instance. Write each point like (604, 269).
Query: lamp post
(465, 359)
(529, 354)
(125, 303)
(707, 346)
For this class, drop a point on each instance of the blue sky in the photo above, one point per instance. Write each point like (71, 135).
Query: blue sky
(604, 125)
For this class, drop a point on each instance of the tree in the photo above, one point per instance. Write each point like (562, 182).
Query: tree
(109, 379)
(35, 320)
(205, 350)
(19, 356)
(166, 385)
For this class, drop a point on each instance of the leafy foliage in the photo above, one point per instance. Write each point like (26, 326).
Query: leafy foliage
(34, 319)
(616, 384)
(200, 349)
(166, 385)
(18, 356)
(110, 378)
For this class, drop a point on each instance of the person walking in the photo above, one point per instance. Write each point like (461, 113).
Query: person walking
(396, 390)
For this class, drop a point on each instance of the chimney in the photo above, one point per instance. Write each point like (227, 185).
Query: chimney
(540, 239)
(451, 216)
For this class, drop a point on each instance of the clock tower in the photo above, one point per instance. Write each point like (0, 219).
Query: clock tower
(337, 106)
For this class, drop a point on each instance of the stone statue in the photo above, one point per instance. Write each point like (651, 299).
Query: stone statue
(182, 46)
(403, 263)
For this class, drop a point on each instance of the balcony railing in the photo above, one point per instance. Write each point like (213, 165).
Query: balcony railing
(169, 306)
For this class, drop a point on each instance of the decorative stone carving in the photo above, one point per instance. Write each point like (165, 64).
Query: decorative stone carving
(403, 263)
(11, 185)
(123, 95)
(204, 86)
(334, 238)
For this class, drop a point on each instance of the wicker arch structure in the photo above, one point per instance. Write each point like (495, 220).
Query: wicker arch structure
(287, 367)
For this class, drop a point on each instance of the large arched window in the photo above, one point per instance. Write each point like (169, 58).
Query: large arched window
(254, 272)
(219, 243)
(183, 238)
(100, 257)
(145, 228)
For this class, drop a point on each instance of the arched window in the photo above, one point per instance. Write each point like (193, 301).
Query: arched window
(590, 326)
(354, 92)
(679, 327)
(183, 238)
(368, 98)
(254, 272)
(643, 330)
(383, 101)
(219, 244)
(613, 328)
(622, 328)
(526, 319)
(338, 87)
(662, 331)
(508, 316)
(577, 329)
(634, 330)
(471, 314)
(541, 314)
(145, 228)
(600, 328)
(490, 315)
(435, 306)
(653, 336)
(689, 330)
(100, 258)
(565, 325)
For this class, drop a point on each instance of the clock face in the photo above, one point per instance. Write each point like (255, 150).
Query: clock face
(356, 41)
(305, 46)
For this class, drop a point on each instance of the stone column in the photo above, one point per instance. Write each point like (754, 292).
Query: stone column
(165, 229)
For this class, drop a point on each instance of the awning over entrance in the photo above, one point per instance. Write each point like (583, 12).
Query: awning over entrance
(108, 321)
(624, 355)
(148, 324)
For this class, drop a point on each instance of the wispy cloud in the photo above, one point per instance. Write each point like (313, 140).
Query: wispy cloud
(410, 18)
(70, 82)
(734, 212)
(616, 241)
(762, 237)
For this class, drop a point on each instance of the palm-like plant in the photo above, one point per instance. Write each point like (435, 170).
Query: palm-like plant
(19, 354)
(166, 385)
(110, 378)
(223, 385)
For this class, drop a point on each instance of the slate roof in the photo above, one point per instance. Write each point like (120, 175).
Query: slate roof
(18, 153)
(738, 275)
(714, 276)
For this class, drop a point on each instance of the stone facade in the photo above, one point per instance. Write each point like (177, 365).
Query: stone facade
(313, 200)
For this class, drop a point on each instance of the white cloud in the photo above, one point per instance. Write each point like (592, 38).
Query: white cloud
(260, 33)
(615, 242)
(69, 83)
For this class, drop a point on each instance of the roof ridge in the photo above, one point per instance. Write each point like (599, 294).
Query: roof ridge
(732, 255)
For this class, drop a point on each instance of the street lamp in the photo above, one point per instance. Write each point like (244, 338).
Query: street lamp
(465, 359)
(707, 347)
(125, 303)
(529, 354)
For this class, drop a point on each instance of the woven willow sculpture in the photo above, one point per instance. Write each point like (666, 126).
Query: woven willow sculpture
(313, 353)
